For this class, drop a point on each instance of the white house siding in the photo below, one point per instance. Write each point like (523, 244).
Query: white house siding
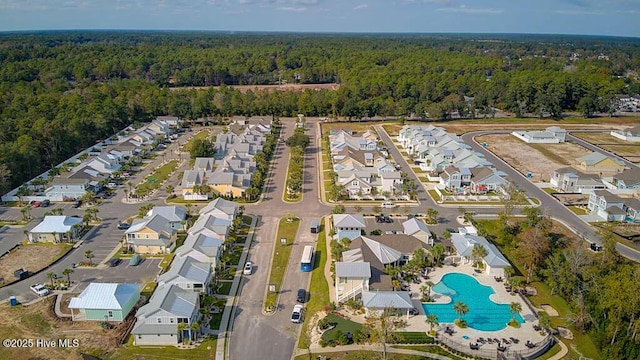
(156, 339)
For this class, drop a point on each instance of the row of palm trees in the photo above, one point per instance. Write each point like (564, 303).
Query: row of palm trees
(66, 272)
(462, 309)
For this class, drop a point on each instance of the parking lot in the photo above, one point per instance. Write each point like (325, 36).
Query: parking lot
(145, 271)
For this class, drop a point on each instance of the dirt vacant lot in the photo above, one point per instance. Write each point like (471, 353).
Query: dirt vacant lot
(37, 321)
(31, 257)
(538, 159)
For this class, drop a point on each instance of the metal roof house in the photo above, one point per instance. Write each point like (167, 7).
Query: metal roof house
(376, 301)
(105, 302)
(189, 274)
(352, 278)
(348, 225)
(221, 208)
(494, 261)
(56, 229)
(176, 215)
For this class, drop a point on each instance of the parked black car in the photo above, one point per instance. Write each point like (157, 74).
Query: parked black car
(114, 262)
(302, 296)
(45, 203)
(123, 226)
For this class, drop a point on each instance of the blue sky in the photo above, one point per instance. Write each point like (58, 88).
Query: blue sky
(591, 17)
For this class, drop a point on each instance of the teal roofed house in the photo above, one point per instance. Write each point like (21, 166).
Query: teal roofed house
(104, 302)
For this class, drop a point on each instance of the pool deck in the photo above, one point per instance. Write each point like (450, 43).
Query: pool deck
(524, 333)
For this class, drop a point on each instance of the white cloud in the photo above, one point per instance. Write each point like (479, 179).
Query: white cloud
(360, 7)
(292, 8)
(468, 10)
(578, 12)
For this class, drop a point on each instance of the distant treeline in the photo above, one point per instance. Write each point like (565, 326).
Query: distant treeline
(62, 91)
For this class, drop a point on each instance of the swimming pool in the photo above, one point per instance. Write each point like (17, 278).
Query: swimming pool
(484, 314)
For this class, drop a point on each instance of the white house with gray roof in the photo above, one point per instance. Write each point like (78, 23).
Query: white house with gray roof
(352, 278)
(176, 215)
(551, 135)
(202, 248)
(418, 229)
(467, 238)
(56, 229)
(211, 226)
(157, 322)
(631, 134)
(221, 208)
(375, 302)
(189, 274)
(348, 225)
(153, 235)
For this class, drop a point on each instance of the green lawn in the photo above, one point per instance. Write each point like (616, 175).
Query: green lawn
(550, 190)
(216, 319)
(281, 254)
(224, 287)
(159, 175)
(319, 289)
(433, 349)
(434, 195)
(576, 210)
(129, 351)
(535, 201)
(201, 135)
(343, 325)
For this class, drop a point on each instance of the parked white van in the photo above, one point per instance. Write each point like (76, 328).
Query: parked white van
(388, 205)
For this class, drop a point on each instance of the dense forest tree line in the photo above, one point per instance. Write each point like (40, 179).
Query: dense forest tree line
(60, 92)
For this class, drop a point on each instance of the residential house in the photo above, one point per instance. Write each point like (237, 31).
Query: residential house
(375, 302)
(570, 180)
(484, 179)
(190, 179)
(454, 179)
(157, 322)
(465, 240)
(628, 179)
(202, 248)
(379, 256)
(352, 278)
(56, 229)
(188, 273)
(232, 176)
(221, 208)
(212, 226)
(153, 235)
(357, 185)
(105, 302)
(597, 162)
(418, 229)
(104, 163)
(551, 135)
(607, 206)
(176, 216)
(204, 164)
(632, 134)
(348, 226)
(65, 189)
(632, 208)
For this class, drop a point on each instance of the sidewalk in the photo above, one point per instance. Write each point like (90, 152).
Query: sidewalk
(349, 348)
(229, 308)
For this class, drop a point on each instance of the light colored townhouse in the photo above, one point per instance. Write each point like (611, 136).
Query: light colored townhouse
(157, 322)
(190, 179)
(570, 180)
(232, 176)
(348, 226)
(160, 127)
(56, 229)
(352, 278)
(204, 164)
(203, 248)
(632, 209)
(105, 302)
(144, 137)
(597, 162)
(551, 135)
(176, 215)
(466, 239)
(454, 179)
(223, 144)
(65, 189)
(390, 182)
(418, 229)
(221, 208)
(151, 236)
(188, 273)
(607, 206)
(484, 179)
(172, 121)
(628, 179)
(357, 184)
(212, 226)
(631, 134)
(104, 163)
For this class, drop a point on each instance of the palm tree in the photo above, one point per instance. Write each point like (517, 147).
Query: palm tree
(395, 284)
(515, 308)
(181, 328)
(89, 255)
(195, 328)
(67, 272)
(436, 252)
(461, 309)
(478, 253)
(432, 320)
(51, 276)
(358, 209)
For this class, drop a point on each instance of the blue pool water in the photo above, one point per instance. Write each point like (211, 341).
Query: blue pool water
(484, 314)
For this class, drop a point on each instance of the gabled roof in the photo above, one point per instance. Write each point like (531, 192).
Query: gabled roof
(212, 223)
(385, 254)
(206, 245)
(608, 197)
(221, 206)
(629, 176)
(384, 299)
(464, 244)
(415, 225)
(186, 269)
(171, 213)
(349, 220)
(596, 157)
(167, 300)
(105, 296)
(157, 223)
(59, 224)
(353, 269)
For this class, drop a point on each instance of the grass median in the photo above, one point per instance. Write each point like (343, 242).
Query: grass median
(159, 176)
(286, 230)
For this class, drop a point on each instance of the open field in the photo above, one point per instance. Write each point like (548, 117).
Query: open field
(538, 159)
(627, 149)
(22, 257)
(284, 87)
